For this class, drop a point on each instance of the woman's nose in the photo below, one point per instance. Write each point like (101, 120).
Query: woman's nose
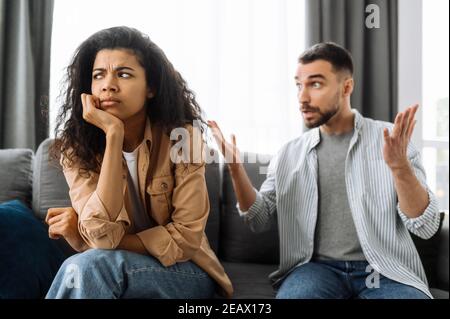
(110, 85)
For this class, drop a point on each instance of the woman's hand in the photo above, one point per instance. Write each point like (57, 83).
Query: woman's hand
(63, 221)
(96, 116)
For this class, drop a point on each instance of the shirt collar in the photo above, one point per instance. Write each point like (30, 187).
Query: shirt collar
(315, 133)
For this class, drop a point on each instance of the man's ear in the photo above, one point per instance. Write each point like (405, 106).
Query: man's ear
(348, 86)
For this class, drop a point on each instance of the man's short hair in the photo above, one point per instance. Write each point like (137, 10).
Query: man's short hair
(339, 57)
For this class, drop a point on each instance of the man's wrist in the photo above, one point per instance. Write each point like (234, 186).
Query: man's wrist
(234, 168)
(403, 170)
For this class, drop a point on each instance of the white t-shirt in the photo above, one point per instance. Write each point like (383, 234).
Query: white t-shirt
(141, 220)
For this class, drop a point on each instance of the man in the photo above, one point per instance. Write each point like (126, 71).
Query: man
(346, 193)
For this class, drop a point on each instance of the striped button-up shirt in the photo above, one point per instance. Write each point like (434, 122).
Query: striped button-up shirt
(291, 191)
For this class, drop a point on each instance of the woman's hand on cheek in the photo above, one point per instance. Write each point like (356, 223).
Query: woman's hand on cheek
(96, 116)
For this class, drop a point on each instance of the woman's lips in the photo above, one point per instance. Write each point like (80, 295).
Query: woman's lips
(109, 103)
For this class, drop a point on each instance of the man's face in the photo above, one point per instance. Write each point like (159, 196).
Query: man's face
(319, 92)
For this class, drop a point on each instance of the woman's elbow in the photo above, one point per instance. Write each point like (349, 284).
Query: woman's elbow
(101, 237)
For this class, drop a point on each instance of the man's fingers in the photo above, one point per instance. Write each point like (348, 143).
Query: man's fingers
(233, 140)
(412, 120)
(397, 126)
(386, 135)
(411, 130)
(218, 135)
(405, 124)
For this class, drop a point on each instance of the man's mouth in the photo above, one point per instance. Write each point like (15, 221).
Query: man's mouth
(308, 113)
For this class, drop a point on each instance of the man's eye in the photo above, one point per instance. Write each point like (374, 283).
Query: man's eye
(317, 85)
(298, 85)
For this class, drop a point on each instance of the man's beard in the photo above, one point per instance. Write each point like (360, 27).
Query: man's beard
(323, 118)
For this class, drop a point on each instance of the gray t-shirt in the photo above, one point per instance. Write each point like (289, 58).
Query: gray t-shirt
(335, 235)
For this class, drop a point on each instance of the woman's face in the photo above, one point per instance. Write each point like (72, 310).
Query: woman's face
(118, 80)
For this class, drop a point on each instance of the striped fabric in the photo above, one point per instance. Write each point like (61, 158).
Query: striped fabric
(290, 191)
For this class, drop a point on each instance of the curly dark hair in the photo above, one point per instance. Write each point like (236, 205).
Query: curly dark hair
(173, 104)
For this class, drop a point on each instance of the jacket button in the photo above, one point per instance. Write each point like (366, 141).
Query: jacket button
(164, 186)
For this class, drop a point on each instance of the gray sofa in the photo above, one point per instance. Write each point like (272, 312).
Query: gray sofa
(248, 258)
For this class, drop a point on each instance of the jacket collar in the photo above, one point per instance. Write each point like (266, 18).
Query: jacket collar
(148, 134)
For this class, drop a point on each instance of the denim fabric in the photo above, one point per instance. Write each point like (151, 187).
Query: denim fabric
(111, 274)
(321, 279)
(29, 259)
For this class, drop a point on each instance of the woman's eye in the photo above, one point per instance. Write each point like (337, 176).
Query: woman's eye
(125, 75)
(96, 76)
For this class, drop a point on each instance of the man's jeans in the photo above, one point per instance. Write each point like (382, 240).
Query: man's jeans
(343, 280)
(107, 274)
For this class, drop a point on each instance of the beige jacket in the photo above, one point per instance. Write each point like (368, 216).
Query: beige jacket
(175, 196)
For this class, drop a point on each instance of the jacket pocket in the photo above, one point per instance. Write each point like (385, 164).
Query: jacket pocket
(160, 190)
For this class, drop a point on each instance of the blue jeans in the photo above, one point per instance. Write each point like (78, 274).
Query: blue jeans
(107, 274)
(343, 280)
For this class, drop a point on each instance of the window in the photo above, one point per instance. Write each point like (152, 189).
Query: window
(435, 89)
(238, 56)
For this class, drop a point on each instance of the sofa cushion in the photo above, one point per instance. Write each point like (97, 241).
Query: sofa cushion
(29, 258)
(212, 176)
(16, 175)
(250, 280)
(442, 257)
(237, 242)
(49, 184)
(429, 252)
(439, 293)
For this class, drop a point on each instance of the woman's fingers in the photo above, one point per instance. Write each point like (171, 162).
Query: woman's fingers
(55, 231)
(52, 212)
(55, 219)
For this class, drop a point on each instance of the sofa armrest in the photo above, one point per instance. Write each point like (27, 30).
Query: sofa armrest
(443, 265)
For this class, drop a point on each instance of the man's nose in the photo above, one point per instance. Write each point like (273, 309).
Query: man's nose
(303, 96)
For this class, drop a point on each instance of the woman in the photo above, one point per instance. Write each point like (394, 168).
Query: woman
(138, 218)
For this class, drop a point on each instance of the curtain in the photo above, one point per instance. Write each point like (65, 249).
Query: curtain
(368, 29)
(25, 34)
